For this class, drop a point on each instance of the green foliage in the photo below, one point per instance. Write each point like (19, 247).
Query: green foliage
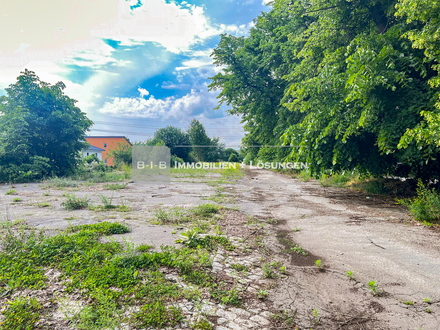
(11, 192)
(104, 228)
(298, 249)
(110, 277)
(156, 314)
(122, 154)
(116, 186)
(56, 182)
(173, 137)
(92, 158)
(240, 267)
(268, 272)
(204, 148)
(341, 82)
(20, 314)
(425, 206)
(42, 130)
(75, 203)
(350, 274)
(318, 263)
(373, 287)
(107, 202)
(202, 324)
(262, 294)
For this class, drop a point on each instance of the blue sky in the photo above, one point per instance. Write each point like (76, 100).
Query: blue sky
(134, 66)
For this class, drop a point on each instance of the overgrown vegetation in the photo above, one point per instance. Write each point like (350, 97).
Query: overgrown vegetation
(425, 206)
(351, 85)
(75, 203)
(111, 277)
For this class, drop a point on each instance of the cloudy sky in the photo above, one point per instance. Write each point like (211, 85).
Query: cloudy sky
(133, 65)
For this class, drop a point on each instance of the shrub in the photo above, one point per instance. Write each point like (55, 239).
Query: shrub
(425, 206)
(75, 203)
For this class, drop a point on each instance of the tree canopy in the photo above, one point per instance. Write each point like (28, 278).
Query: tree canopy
(349, 84)
(42, 131)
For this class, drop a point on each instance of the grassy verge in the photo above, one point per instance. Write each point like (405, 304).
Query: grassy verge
(117, 284)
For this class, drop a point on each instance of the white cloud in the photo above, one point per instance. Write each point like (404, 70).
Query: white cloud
(143, 92)
(265, 2)
(170, 107)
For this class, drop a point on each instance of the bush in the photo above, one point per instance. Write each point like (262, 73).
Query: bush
(425, 206)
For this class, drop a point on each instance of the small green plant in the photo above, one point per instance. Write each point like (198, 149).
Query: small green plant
(427, 300)
(318, 263)
(296, 229)
(46, 194)
(16, 200)
(239, 267)
(144, 248)
(350, 274)
(116, 186)
(107, 201)
(298, 249)
(428, 310)
(75, 203)
(409, 302)
(202, 324)
(283, 270)
(262, 294)
(20, 314)
(268, 272)
(315, 315)
(373, 287)
(41, 205)
(11, 192)
(25, 185)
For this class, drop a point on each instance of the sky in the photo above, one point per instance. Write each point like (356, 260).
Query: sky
(133, 65)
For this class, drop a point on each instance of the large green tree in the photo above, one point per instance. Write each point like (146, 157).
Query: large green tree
(42, 129)
(203, 147)
(336, 79)
(174, 138)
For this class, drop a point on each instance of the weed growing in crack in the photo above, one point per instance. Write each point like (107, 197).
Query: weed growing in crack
(373, 287)
(408, 303)
(240, 267)
(283, 270)
(75, 203)
(350, 274)
(315, 316)
(298, 249)
(427, 300)
(202, 324)
(296, 229)
(318, 263)
(268, 272)
(262, 294)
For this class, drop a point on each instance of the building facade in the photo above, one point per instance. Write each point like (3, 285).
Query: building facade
(107, 143)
